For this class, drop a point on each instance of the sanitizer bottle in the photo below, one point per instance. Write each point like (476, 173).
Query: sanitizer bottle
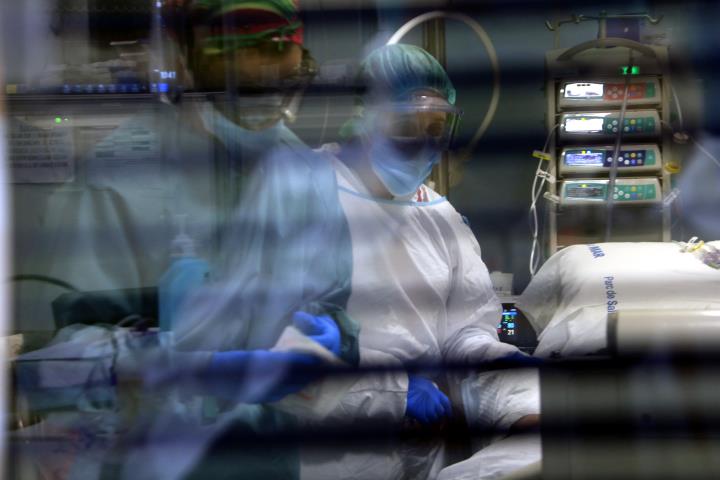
(186, 274)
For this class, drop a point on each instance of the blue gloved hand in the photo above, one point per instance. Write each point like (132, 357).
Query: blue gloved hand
(259, 376)
(521, 359)
(323, 330)
(425, 402)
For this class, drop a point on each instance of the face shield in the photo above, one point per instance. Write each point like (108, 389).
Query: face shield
(405, 139)
(425, 120)
(256, 78)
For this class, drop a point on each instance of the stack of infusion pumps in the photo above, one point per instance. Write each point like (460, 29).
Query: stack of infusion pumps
(585, 90)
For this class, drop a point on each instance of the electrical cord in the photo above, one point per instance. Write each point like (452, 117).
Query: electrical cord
(44, 279)
(676, 100)
(705, 151)
(536, 191)
(616, 153)
(683, 136)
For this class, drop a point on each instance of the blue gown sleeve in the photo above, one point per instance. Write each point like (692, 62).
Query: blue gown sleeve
(286, 249)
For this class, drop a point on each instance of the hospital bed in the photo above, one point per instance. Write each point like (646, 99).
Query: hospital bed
(571, 298)
(636, 329)
(630, 333)
(647, 410)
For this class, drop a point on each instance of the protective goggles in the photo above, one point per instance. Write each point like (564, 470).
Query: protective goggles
(272, 83)
(273, 75)
(422, 119)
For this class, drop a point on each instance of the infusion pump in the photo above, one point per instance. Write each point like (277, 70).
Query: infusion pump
(608, 92)
(590, 159)
(604, 126)
(632, 191)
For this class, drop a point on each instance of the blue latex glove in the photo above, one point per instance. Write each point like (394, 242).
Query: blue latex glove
(321, 329)
(425, 402)
(523, 360)
(260, 376)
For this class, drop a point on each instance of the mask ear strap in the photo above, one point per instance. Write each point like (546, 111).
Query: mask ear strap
(357, 126)
(291, 102)
(291, 105)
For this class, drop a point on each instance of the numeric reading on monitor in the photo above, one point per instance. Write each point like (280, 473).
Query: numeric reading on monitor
(507, 324)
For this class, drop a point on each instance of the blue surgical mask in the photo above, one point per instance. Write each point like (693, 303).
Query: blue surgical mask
(401, 173)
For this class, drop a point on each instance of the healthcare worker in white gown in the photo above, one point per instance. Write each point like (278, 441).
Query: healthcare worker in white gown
(420, 290)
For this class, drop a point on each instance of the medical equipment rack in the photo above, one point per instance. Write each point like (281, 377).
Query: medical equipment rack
(608, 62)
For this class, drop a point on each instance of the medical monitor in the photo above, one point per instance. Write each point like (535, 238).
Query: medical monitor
(515, 329)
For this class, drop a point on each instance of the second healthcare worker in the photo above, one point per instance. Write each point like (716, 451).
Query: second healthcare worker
(420, 290)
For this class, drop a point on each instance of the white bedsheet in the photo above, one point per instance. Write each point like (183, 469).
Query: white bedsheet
(515, 454)
(568, 300)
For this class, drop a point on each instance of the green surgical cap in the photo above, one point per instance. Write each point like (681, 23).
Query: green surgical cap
(286, 9)
(394, 72)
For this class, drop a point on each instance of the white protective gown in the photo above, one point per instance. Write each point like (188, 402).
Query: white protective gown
(420, 292)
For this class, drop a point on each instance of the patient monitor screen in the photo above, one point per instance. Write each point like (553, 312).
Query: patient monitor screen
(507, 324)
(515, 329)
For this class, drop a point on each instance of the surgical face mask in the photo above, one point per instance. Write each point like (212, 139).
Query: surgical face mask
(239, 140)
(405, 139)
(401, 168)
(253, 111)
(260, 90)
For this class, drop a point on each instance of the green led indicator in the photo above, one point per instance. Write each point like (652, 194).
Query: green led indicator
(634, 70)
(58, 120)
